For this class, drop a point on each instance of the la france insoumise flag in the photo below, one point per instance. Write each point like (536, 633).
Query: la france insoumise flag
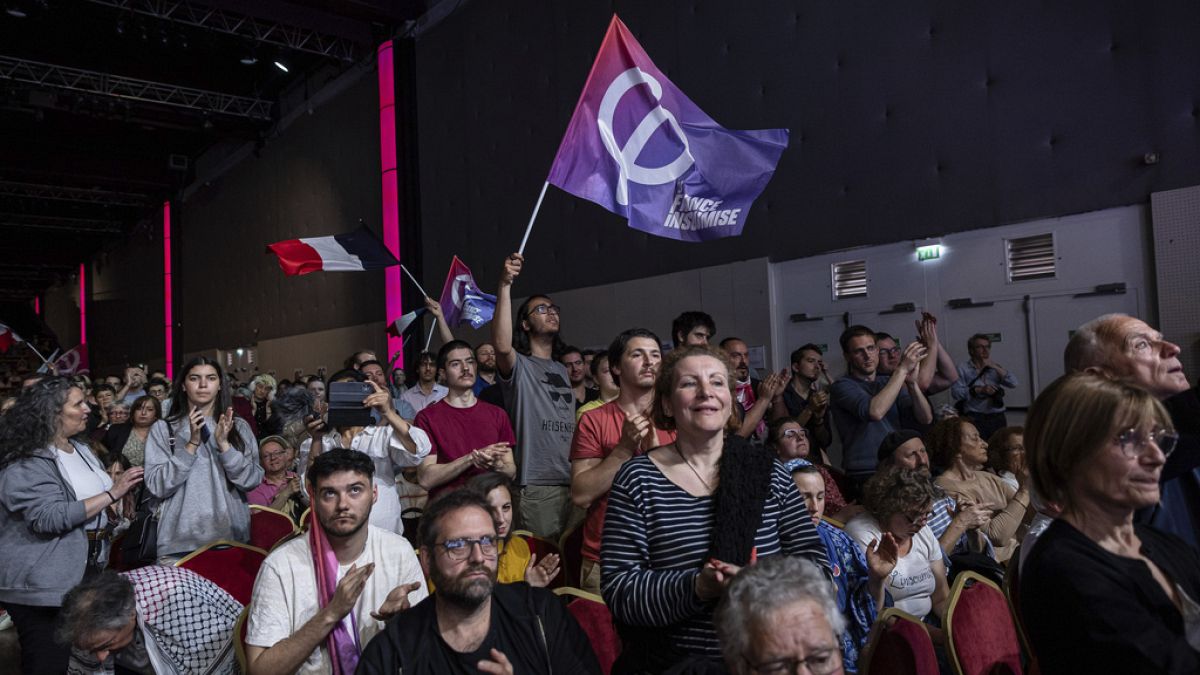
(640, 148)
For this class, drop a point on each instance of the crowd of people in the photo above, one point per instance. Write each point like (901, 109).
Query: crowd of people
(713, 522)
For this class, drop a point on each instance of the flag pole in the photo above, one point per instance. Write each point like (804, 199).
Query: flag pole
(430, 338)
(537, 207)
(414, 280)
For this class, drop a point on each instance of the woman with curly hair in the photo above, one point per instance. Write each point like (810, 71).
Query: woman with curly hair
(1006, 455)
(898, 503)
(954, 444)
(52, 525)
(684, 518)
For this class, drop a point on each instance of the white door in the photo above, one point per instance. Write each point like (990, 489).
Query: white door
(1056, 317)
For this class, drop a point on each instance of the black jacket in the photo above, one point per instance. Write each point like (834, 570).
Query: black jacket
(535, 617)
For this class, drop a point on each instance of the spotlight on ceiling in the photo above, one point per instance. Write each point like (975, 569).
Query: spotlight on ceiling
(15, 11)
(281, 65)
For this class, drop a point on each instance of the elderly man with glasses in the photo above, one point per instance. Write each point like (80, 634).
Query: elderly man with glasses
(1128, 349)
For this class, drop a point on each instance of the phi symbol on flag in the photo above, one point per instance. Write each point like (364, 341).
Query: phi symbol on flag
(626, 157)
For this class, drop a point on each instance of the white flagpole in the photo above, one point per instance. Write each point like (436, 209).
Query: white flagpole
(430, 338)
(414, 280)
(533, 217)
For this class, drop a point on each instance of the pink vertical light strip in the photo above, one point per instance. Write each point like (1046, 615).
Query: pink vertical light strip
(83, 303)
(37, 305)
(167, 299)
(391, 192)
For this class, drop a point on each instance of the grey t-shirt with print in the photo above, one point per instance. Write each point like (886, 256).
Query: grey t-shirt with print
(542, 408)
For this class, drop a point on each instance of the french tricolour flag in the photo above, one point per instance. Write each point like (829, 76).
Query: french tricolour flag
(353, 252)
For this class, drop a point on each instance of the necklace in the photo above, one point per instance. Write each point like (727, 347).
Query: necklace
(694, 471)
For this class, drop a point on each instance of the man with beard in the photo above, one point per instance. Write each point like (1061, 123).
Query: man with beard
(294, 619)
(468, 437)
(612, 434)
(373, 371)
(572, 360)
(485, 361)
(1128, 349)
(471, 624)
(540, 403)
(754, 397)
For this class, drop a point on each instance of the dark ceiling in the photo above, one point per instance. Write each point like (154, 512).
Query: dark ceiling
(106, 104)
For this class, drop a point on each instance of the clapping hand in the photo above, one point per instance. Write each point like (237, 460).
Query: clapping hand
(713, 578)
(349, 588)
(540, 575)
(498, 663)
(773, 385)
(882, 555)
(224, 426)
(396, 601)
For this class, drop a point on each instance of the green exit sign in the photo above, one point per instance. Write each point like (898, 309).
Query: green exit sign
(931, 252)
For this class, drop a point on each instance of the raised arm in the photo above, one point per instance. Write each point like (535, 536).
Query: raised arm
(435, 308)
(502, 321)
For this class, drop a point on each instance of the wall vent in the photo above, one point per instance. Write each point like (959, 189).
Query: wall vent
(1031, 257)
(849, 279)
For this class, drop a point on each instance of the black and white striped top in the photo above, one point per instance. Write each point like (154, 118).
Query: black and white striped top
(655, 540)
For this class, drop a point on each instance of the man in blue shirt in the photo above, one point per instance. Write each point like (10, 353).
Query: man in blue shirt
(867, 406)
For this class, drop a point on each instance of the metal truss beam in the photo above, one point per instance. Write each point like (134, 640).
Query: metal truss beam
(232, 23)
(73, 194)
(106, 84)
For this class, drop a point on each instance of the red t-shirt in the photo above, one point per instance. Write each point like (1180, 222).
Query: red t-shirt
(455, 432)
(596, 434)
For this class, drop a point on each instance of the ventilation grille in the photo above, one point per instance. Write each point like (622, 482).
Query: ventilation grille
(1031, 258)
(850, 279)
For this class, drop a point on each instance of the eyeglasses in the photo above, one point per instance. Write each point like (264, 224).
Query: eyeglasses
(1134, 442)
(545, 309)
(822, 662)
(796, 433)
(893, 351)
(460, 549)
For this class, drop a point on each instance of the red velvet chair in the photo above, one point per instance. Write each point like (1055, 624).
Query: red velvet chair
(268, 527)
(571, 545)
(980, 634)
(899, 644)
(542, 548)
(228, 564)
(595, 619)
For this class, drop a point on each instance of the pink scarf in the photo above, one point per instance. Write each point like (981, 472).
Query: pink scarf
(745, 395)
(343, 647)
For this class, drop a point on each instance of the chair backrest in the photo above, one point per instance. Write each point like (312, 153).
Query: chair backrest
(571, 545)
(899, 644)
(229, 564)
(833, 521)
(980, 633)
(239, 640)
(269, 527)
(596, 621)
(304, 518)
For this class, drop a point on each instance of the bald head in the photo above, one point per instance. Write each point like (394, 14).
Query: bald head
(1124, 347)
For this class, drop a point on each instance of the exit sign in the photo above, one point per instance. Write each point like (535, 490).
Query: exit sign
(931, 252)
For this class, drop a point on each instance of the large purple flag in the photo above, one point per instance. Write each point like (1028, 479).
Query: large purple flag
(640, 148)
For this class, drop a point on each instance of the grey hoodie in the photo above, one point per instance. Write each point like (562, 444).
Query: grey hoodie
(203, 495)
(43, 546)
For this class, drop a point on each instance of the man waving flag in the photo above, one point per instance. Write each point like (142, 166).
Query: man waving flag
(640, 148)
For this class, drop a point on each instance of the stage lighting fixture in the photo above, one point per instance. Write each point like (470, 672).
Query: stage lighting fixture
(281, 65)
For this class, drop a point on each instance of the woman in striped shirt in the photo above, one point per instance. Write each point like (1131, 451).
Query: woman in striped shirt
(681, 521)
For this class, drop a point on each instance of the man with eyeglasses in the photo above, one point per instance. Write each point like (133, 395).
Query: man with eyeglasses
(540, 402)
(889, 353)
(319, 596)
(281, 488)
(980, 387)
(471, 624)
(1127, 348)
